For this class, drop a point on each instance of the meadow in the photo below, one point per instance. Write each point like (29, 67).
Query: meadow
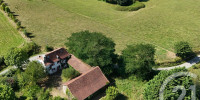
(161, 23)
(9, 36)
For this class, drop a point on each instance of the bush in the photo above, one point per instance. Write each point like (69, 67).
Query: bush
(125, 2)
(136, 6)
(183, 50)
(151, 91)
(3, 6)
(69, 73)
(1, 1)
(111, 93)
(31, 48)
(7, 9)
(49, 48)
(18, 25)
(112, 1)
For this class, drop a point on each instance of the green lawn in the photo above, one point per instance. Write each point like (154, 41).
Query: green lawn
(9, 36)
(161, 23)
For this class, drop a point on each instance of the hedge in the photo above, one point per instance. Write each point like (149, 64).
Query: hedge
(136, 6)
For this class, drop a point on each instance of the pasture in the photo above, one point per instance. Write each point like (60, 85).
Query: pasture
(161, 23)
(9, 36)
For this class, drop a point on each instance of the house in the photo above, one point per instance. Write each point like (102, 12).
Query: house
(86, 84)
(55, 60)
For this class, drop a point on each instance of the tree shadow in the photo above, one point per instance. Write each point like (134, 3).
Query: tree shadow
(121, 97)
(30, 35)
(143, 0)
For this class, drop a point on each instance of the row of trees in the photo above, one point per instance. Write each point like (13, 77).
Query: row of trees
(7, 10)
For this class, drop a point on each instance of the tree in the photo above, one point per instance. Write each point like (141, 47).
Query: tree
(69, 73)
(35, 71)
(138, 60)
(7, 9)
(3, 6)
(111, 93)
(125, 2)
(93, 48)
(183, 50)
(6, 93)
(44, 95)
(15, 56)
(151, 91)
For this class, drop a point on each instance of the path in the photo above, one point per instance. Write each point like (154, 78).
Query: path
(186, 65)
(6, 70)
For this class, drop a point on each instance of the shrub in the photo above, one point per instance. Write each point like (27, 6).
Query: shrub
(3, 6)
(18, 25)
(69, 73)
(25, 32)
(151, 91)
(136, 6)
(111, 93)
(125, 2)
(7, 9)
(6, 93)
(183, 50)
(49, 48)
(1, 1)
(112, 1)
(31, 48)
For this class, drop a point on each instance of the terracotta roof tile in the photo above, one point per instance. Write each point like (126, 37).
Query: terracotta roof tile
(52, 56)
(87, 83)
(78, 65)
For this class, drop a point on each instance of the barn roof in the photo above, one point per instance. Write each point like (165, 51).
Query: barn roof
(87, 83)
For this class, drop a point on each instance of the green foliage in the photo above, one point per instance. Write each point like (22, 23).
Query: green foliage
(136, 6)
(111, 93)
(125, 2)
(7, 9)
(44, 95)
(49, 48)
(69, 73)
(30, 91)
(59, 98)
(35, 71)
(138, 60)
(1, 2)
(3, 6)
(112, 1)
(151, 91)
(6, 93)
(183, 50)
(92, 47)
(31, 48)
(15, 56)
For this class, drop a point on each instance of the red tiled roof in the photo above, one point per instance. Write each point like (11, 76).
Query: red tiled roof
(51, 56)
(78, 65)
(87, 83)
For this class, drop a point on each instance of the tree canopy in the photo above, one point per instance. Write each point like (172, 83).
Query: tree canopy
(15, 56)
(183, 50)
(6, 93)
(92, 47)
(151, 91)
(138, 59)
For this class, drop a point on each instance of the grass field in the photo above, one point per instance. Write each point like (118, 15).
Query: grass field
(9, 36)
(161, 23)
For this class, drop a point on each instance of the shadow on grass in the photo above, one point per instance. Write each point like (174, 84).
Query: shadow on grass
(121, 97)
(30, 35)
(143, 0)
